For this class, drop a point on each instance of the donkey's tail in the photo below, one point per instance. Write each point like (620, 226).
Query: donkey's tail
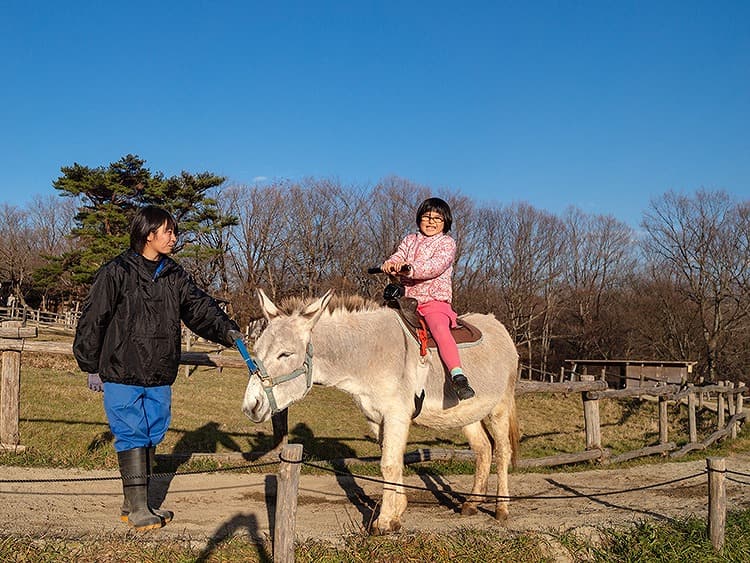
(514, 433)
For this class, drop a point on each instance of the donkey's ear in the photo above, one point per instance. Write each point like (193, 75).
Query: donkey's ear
(269, 309)
(313, 311)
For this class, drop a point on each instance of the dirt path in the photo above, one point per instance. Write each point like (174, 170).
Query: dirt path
(212, 506)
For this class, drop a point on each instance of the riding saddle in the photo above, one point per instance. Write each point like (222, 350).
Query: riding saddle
(464, 333)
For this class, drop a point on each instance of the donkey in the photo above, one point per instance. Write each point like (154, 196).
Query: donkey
(370, 355)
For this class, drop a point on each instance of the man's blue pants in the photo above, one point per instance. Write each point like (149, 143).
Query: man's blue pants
(138, 416)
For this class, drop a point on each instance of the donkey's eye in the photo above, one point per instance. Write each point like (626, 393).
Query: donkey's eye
(283, 355)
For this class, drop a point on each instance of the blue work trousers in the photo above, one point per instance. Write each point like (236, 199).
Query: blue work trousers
(138, 416)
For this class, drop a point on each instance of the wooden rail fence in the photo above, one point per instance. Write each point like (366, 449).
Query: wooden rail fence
(728, 399)
(16, 339)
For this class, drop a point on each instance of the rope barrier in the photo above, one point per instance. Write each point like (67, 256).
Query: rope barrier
(501, 497)
(390, 483)
(153, 475)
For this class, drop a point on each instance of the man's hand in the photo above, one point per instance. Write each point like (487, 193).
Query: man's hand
(235, 335)
(95, 382)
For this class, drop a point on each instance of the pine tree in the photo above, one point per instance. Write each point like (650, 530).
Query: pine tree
(109, 198)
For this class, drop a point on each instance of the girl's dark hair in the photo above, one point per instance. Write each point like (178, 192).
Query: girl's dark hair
(147, 221)
(436, 205)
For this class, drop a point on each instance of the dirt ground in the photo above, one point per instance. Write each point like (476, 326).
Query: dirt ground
(212, 506)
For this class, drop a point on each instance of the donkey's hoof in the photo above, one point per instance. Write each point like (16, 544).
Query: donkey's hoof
(382, 528)
(469, 509)
(501, 515)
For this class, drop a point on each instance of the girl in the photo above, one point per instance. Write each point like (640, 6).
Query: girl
(428, 256)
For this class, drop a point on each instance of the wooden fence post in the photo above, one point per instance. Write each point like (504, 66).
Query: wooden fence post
(691, 418)
(733, 410)
(663, 420)
(717, 501)
(187, 349)
(591, 419)
(286, 504)
(730, 398)
(10, 393)
(740, 407)
(720, 410)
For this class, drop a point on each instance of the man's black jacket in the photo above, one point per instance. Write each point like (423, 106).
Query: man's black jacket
(129, 330)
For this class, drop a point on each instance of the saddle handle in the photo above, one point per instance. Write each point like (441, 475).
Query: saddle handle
(378, 270)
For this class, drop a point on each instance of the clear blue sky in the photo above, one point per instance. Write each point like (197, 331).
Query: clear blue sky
(599, 104)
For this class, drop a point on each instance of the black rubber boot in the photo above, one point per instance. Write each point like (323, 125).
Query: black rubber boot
(134, 471)
(165, 515)
(461, 387)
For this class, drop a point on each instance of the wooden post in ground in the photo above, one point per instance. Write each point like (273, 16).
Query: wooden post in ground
(740, 407)
(691, 418)
(591, 419)
(11, 335)
(717, 501)
(286, 504)
(663, 420)
(730, 398)
(732, 411)
(187, 349)
(720, 410)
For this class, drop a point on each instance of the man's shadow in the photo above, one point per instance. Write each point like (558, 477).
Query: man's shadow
(206, 438)
(238, 523)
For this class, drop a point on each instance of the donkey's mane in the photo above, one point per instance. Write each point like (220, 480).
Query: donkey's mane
(338, 303)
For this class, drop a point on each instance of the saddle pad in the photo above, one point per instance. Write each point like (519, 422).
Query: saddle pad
(464, 333)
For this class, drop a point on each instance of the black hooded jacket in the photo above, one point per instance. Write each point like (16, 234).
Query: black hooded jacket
(129, 330)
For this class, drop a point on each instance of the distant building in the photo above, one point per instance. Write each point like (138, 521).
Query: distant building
(620, 374)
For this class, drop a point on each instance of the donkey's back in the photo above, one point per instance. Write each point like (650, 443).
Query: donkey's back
(491, 366)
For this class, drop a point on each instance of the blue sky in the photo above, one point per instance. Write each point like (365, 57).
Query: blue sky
(598, 104)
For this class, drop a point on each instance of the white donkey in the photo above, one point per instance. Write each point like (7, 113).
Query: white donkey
(369, 354)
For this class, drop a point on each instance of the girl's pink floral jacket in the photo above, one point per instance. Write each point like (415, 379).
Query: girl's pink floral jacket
(431, 259)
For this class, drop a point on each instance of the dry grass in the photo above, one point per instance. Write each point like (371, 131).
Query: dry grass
(63, 423)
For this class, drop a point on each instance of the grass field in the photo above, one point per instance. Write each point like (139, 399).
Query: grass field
(62, 422)
(63, 425)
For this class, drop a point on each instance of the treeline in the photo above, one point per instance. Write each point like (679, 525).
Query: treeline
(574, 285)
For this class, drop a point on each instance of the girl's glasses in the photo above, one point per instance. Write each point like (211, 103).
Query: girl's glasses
(431, 218)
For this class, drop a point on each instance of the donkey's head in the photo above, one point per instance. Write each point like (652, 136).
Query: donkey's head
(283, 354)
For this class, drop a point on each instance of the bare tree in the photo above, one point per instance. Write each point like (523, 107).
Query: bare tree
(521, 266)
(323, 233)
(17, 252)
(701, 241)
(599, 255)
(52, 219)
(258, 242)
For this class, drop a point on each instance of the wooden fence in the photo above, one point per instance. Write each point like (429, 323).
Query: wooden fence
(34, 317)
(16, 339)
(725, 401)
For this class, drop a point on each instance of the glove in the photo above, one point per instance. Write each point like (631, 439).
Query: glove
(235, 335)
(95, 382)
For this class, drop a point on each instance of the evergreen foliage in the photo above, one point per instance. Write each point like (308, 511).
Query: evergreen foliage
(109, 198)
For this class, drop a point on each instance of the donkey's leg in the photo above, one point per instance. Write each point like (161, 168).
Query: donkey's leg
(498, 423)
(482, 448)
(395, 433)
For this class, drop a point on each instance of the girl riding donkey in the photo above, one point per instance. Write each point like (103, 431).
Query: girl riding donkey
(424, 263)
